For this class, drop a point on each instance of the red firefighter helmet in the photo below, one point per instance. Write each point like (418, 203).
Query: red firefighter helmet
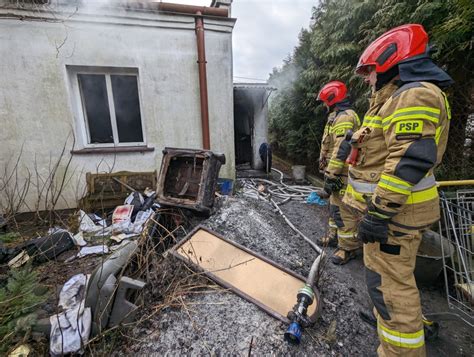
(395, 46)
(333, 93)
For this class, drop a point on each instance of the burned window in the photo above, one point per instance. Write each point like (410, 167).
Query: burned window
(111, 108)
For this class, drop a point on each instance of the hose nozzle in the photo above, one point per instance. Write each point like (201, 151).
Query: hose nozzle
(293, 334)
(298, 316)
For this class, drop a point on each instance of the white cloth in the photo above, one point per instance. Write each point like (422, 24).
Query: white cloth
(95, 249)
(86, 224)
(140, 220)
(70, 329)
(79, 239)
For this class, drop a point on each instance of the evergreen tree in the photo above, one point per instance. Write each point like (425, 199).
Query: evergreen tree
(18, 300)
(329, 50)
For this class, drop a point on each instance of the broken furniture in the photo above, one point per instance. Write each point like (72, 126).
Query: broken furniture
(188, 178)
(108, 190)
(251, 276)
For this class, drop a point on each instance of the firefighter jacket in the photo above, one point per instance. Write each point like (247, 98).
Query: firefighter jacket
(326, 142)
(344, 120)
(402, 139)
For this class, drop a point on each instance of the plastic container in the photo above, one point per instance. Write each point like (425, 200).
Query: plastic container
(225, 186)
(299, 172)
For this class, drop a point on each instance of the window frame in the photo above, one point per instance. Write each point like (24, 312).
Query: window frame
(78, 99)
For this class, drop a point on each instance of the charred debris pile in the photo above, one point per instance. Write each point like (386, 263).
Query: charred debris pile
(96, 272)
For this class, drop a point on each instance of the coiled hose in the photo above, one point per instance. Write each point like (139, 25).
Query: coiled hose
(285, 192)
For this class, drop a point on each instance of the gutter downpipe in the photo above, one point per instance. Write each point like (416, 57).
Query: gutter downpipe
(199, 12)
(201, 49)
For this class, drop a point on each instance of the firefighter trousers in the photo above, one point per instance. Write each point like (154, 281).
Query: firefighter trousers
(345, 219)
(332, 228)
(392, 288)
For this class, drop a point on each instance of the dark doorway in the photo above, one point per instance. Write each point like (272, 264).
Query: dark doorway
(243, 127)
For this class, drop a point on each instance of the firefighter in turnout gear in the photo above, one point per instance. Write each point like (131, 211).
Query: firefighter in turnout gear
(326, 148)
(335, 149)
(402, 139)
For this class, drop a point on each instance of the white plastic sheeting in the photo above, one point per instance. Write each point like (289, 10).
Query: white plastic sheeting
(70, 329)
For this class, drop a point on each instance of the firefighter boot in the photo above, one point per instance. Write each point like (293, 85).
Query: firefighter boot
(342, 256)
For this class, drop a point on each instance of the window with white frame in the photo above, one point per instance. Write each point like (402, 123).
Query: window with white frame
(110, 107)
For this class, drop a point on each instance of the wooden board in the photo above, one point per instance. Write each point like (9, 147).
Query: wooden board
(255, 278)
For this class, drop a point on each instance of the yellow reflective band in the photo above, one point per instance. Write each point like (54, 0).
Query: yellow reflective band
(357, 119)
(344, 124)
(345, 235)
(380, 215)
(375, 126)
(428, 110)
(341, 127)
(438, 135)
(350, 191)
(427, 113)
(337, 163)
(389, 187)
(373, 122)
(448, 107)
(399, 339)
(422, 196)
(375, 117)
(395, 184)
(396, 180)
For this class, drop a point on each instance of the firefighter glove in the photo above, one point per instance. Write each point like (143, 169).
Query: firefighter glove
(332, 184)
(373, 229)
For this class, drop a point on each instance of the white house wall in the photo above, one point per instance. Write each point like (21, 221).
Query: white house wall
(38, 114)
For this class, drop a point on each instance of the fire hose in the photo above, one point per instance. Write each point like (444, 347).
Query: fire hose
(306, 295)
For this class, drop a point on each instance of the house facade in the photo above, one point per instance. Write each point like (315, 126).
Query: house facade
(91, 87)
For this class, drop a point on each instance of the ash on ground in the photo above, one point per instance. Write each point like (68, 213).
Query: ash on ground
(218, 322)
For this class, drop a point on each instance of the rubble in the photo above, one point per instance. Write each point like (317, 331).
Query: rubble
(19, 260)
(20, 351)
(88, 306)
